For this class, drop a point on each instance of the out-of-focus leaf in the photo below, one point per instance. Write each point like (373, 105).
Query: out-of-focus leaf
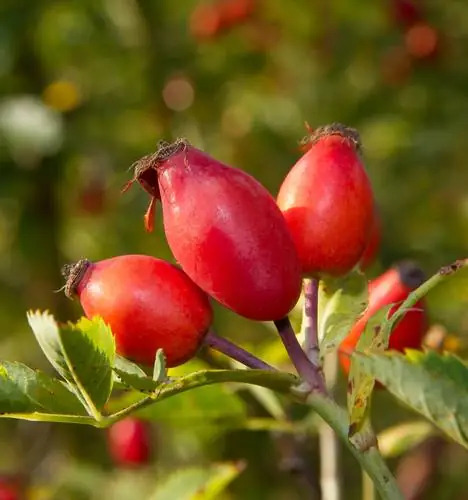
(401, 438)
(431, 384)
(82, 353)
(341, 302)
(198, 483)
(24, 390)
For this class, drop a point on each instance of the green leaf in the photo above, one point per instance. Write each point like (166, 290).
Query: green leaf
(401, 438)
(159, 369)
(198, 483)
(24, 390)
(126, 366)
(82, 353)
(431, 384)
(140, 383)
(360, 382)
(341, 302)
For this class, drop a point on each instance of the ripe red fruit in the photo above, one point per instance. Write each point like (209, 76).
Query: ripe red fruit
(373, 244)
(224, 229)
(328, 203)
(392, 287)
(148, 303)
(129, 442)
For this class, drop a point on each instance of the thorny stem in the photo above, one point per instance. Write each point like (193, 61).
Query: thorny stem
(308, 372)
(235, 352)
(309, 321)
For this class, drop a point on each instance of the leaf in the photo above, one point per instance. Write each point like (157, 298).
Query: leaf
(82, 353)
(360, 382)
(198, 483)
(126, 366)
(433, 385)
(24, 390)
(341, 302)
(141, 383)
(159, 369)
(401, 438)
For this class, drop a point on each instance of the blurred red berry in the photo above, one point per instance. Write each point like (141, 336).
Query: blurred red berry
(129, 442)
(422, 41)
(205, 21)
(234, 12)
(392, 287)
(406, 12)
(8, 490)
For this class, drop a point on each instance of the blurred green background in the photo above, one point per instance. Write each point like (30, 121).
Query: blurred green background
(88, 87)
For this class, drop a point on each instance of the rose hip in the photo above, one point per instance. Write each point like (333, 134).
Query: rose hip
(148, 303)
(328, 203)
(224, 229)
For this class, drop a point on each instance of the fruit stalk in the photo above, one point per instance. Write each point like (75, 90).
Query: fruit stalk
(235, 352)
(308, 372)
(309, 321)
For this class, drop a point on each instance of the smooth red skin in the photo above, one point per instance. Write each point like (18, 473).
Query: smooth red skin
(149, 304)
(408, 334)
(229, 236)
(373, 244)
(129, 442)
(328, 204)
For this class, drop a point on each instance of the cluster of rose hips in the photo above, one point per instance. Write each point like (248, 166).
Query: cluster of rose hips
(238, 245)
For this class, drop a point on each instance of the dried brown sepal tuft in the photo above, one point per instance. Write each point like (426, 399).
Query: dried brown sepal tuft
(73, 274)
(145, 172)
(347, 133)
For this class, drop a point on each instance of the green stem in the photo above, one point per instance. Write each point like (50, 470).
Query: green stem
(443, 274)
(371, 460)
(368, 489)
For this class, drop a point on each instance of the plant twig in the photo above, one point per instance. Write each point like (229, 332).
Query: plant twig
(232, 350)
(368, 488)
(309, 321)
(328, 443)
(308, 372)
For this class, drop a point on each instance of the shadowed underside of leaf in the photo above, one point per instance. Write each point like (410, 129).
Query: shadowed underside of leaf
(433, 385)
(24, 390)
(82, 353)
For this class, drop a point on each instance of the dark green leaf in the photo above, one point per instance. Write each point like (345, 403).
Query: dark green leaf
(433, 385)
(341, 302)
(24, 390)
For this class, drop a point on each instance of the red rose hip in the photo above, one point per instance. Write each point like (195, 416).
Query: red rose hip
(225, 230)
(328, 203)
(373, 244)
(129, 442)
(148, 303)
(392, 287)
